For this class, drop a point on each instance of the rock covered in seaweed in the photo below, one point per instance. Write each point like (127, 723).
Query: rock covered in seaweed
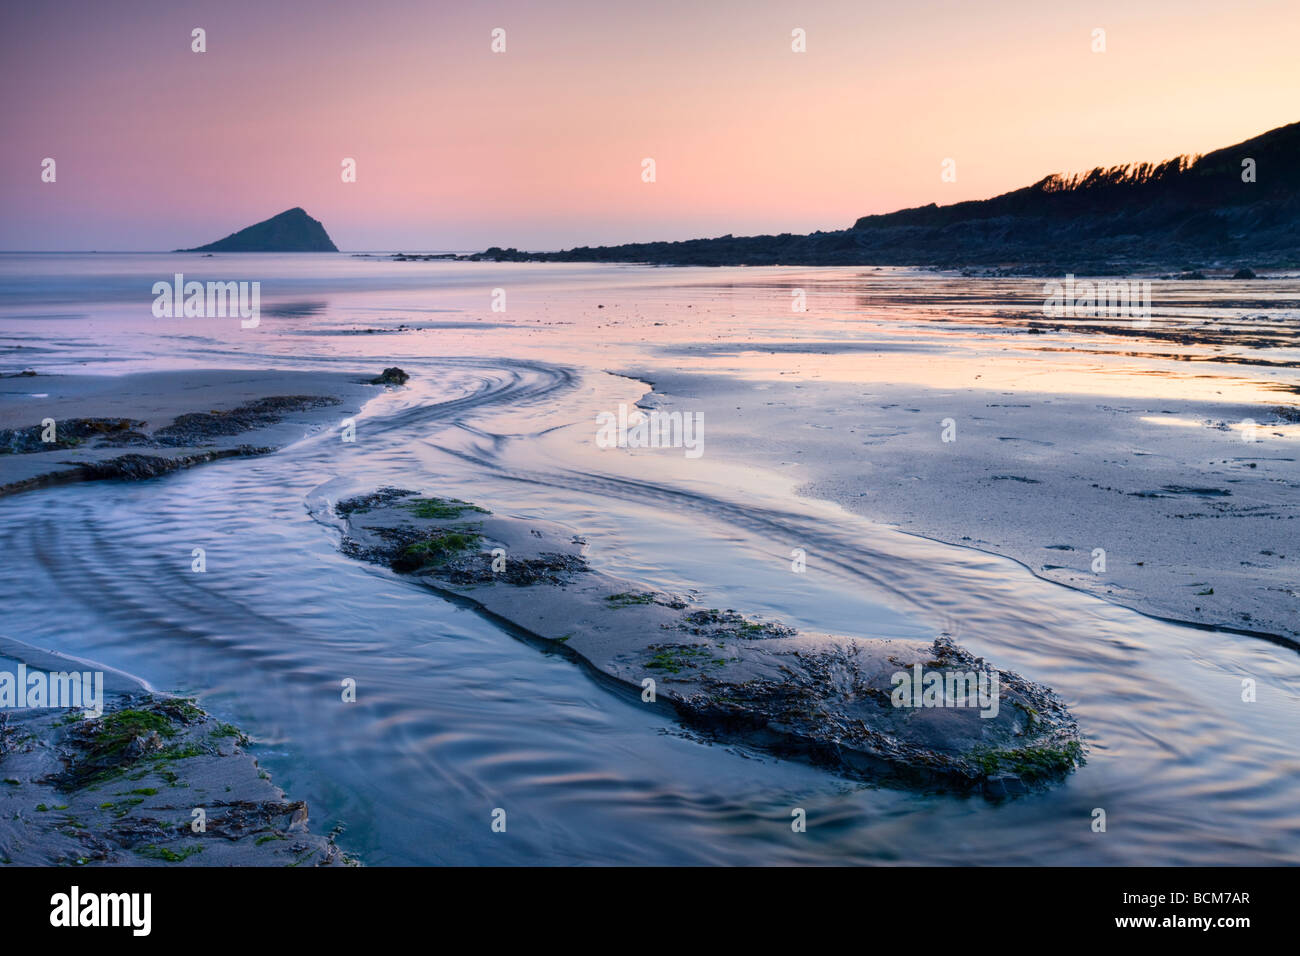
(911, 713)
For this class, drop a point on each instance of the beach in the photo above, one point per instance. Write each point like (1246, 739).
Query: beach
(824, 497)
(1154, 502)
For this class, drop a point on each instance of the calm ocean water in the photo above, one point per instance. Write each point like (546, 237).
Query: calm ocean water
(456, 717)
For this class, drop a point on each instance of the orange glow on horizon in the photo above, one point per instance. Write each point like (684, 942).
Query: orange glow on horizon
(540, 147)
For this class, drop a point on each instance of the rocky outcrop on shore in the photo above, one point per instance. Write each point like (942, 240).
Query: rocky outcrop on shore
(834, 700)
(161, 434)
(152, 781)
(180, 438)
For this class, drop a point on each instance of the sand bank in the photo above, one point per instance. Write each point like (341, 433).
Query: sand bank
(1178, 508)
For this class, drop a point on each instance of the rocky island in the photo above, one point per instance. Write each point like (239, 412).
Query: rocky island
(291, 231)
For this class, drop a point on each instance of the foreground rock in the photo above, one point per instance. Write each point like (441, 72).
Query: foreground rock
(124, 788)
(832, 700)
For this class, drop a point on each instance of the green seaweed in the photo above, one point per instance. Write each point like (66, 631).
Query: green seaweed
(180, 753)
(629, 598)
(435, 550)
(154, 852)
(229, 730)
(182, 708)
(124, 807)
(676, 659)
(108, 738)
(441, 509)
(1043, 760)
(120, 728)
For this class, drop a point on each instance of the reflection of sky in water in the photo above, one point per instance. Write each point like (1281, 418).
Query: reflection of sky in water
(878, 325)
(1269, 427)
(455, 717)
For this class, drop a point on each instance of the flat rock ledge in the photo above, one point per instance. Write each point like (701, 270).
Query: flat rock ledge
(827, 699)
(123, 789)
(121, 449)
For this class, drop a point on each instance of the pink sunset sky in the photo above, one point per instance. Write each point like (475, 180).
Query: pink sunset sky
(540, 147)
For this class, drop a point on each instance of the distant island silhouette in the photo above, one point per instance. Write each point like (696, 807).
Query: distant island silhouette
(1185, 213)
(290, 231)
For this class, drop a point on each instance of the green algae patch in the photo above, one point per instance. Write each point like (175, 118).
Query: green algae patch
(442, 509)
(229, 730)
(119, 728)
(112, 744)
(1031, 763)
(676, 658)
(629, 598)
(435, 550)
(155, 852)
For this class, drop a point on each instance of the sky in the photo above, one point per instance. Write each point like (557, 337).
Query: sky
(542, 146)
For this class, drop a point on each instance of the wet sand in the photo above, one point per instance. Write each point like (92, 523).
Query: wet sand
(1194, 510)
